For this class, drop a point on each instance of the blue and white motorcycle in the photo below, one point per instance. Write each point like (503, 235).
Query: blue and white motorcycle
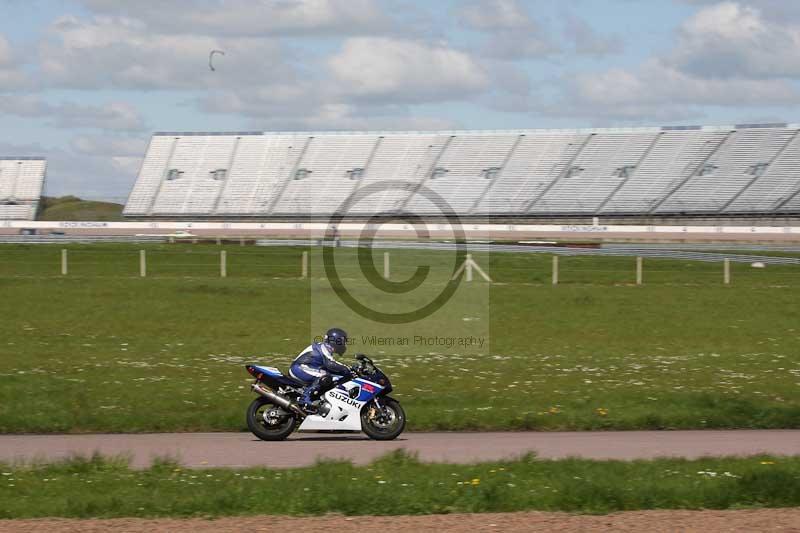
(361, 404)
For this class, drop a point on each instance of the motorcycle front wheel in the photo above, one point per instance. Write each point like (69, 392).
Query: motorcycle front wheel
(268, 421)
(383, 424)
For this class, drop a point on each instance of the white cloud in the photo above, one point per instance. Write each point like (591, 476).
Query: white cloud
(11, 77)
(123, 53)
(734, 40)
(119, 116)
(495, 15)
(405, 71)
(109, 145)
(102, 176)
(658, 91)
(510, 31)
(256, 18)
(587, 41)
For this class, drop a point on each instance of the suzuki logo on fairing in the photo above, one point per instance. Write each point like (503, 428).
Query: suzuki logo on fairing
(345, 399)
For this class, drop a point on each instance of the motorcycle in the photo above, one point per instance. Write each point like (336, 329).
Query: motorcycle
(361, 403)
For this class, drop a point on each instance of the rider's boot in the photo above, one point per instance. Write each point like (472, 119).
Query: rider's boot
(307, 402)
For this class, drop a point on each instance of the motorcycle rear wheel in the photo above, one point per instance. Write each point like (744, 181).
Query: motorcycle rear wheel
(378, 429)
(261, 429)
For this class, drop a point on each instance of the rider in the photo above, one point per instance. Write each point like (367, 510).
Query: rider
(316, 366)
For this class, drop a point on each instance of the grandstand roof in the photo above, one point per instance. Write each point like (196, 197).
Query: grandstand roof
(742, 168)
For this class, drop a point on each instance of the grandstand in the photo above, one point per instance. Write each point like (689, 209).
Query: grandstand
(21, 183)
(746, 169)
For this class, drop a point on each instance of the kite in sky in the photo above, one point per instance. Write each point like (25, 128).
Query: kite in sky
(211, 58)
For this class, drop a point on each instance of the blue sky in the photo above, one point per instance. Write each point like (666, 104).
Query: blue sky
(85, 82)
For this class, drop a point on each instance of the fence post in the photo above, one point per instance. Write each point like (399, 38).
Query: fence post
(639, 270)
(727, 271)
(219, 241)
(386, 271)
(223, 264)
(241, 241)
(468, 264)
(142, 263)
(304, 265)
(555, 270)
(64, 262)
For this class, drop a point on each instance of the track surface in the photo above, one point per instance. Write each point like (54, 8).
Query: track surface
(243, 450)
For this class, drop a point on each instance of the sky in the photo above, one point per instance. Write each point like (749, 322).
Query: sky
(86, 82)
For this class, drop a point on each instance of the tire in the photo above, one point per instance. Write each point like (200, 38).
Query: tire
(379, 431)
(264, 431)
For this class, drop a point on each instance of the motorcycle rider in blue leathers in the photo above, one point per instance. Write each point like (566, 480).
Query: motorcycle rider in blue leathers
(317, 367)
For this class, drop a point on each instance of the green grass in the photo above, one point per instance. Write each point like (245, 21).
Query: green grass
(396, 484)
(104, 350)
(73, 208)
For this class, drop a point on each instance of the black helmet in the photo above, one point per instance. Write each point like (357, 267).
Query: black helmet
(337, 339)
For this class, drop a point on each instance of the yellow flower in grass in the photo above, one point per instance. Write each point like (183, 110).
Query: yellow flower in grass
(554, 410)
(475, 482)
(601, 411)
(767, 462)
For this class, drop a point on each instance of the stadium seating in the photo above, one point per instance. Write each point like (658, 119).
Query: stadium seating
(747, 168)
(21, 183)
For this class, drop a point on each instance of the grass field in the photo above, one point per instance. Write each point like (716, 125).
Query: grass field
(396, 484)
(104, 350)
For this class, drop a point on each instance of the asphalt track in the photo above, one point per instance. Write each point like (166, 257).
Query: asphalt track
(202, 450)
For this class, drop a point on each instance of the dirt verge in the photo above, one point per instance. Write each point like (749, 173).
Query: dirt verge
(651, 521)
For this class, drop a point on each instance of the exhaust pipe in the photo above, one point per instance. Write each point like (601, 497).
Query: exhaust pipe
(277, 399)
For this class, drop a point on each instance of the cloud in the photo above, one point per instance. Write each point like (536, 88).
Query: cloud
(255, 18)
(122, 53)
(404, 71)
(587, 41)
(511, 32)
(657, 90)
(118, 116)
(494, 15)
(97, 145)
(103, 176)
(732, 40)
(727, 54)
(11, 77)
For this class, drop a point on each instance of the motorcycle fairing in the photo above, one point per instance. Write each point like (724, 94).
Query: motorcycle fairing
(345, 412)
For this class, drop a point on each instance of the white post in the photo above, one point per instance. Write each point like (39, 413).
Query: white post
(727, 271)
(555, 270)
(304, 265)
(468, 263)
(142, 263)
(386, 271)
(63, 262)
(223, 264)
(241, 241)
(219, 241)
(638, 270)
